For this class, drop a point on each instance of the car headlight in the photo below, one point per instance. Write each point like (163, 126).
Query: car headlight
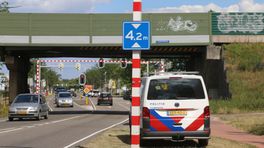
(11, 109)
(33, 108)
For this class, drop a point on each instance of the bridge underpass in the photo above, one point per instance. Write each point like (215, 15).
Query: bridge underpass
(18, 59)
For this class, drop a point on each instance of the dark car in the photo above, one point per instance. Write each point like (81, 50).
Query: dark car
(127, 95)
(105, 98)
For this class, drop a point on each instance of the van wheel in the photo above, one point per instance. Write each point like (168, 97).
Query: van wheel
(143, 142)
(203, 142)
(10, 118)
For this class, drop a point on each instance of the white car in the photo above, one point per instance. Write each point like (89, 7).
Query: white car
(174, 106)
(64, 99)
(28, 106)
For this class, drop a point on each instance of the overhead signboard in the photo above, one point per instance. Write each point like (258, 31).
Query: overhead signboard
(136, 35)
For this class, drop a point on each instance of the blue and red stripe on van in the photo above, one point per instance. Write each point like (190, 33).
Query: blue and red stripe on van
(159, 123)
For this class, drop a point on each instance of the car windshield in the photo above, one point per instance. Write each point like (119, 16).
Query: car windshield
(64, 95)
(62, 90)
(104, 95)
(175, 89)
(27, 99)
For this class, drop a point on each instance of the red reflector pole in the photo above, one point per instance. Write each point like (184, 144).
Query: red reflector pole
(135, 105)
(38, 77)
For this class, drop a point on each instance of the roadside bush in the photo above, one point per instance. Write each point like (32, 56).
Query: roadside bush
(258, 129)
(245, 57)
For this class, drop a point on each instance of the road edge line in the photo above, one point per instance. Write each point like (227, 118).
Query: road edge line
(92, 104)
(95, 133)
(48, 103)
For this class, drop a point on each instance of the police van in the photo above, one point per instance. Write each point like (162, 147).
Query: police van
(174, 106)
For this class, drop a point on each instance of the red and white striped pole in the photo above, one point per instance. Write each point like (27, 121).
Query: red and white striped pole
(136, 73)
(38, 77)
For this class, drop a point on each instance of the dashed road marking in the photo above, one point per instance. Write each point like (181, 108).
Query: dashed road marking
(3, 120)
(5, 129)
(35, 125)
(11, 130)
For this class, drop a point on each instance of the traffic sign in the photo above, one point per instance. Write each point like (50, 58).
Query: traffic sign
(136, 35)
(86, 90)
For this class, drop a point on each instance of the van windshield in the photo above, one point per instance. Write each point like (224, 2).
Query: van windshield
(175, 89)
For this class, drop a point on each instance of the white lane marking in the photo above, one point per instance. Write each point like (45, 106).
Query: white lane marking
(65, 119)
(5, 129)
(49, 106)
(50, 99)
(82, 107)
(125, 107)
(37, 125)
(95, 133)
(92, 104)
(3, 120)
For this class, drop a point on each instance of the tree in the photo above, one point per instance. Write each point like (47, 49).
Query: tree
(51, 76)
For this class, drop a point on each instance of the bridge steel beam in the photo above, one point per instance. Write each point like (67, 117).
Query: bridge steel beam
(18, 67)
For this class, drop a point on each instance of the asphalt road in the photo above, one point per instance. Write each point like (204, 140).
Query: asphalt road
(67, 129)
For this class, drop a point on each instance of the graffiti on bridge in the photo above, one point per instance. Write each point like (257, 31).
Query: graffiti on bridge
(177, 24)
(241, 22)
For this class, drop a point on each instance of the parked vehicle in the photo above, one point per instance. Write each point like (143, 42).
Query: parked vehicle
(105, 98)
(64, 99)
(175, 106)
(72, 93)
(96, 93)
(28, 106)
(127, 95)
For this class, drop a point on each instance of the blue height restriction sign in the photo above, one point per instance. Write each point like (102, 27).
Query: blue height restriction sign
(136, 35)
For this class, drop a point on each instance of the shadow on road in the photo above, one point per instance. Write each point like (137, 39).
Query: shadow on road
(13, 147)
(161, 143)
(170, 144)
(103, 112)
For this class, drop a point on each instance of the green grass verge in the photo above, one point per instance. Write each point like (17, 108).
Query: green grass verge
(3, 110)
(247, 93)
(119, 137)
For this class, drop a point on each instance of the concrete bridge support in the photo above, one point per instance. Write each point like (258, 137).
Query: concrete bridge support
(19, 67)
(215, 74)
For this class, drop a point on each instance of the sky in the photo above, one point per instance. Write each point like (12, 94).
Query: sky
(125, 6)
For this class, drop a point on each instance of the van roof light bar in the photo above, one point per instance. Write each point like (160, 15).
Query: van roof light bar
(173, 73)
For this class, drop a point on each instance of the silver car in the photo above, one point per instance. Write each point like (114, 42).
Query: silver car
(64, 99)
(28, 106)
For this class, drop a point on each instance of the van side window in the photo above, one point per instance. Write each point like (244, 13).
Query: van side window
(142, 88)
